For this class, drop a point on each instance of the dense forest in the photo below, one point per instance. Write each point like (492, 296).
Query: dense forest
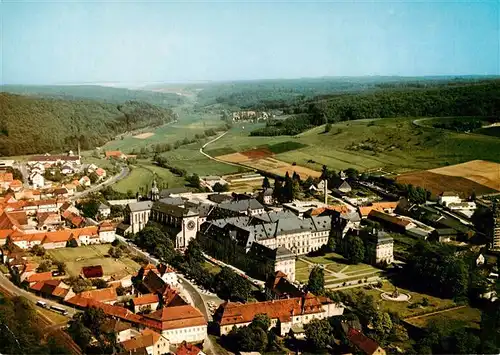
(471, 99)
(265, 95)
(38, 125)
(95, 92)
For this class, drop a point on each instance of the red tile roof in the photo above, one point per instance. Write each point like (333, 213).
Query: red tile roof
(41, 276)
(147, 338)
(113, 153)
(235, 313)
(175, 317)
(187, 349)
(362, 342)
(101, 295)
(146, 299)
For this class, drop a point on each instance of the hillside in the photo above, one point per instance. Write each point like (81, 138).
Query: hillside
(452, 99)
(38, 125)
(95, 92)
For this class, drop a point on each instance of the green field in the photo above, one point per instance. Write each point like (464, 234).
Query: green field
(141, 176)
(76, 258)
(393, 144)
(462, 317)
(188, 125)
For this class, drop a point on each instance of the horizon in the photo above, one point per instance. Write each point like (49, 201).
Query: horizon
(166, 42)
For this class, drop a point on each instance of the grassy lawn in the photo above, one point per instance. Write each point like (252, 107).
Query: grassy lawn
(463, 317)
(212, 268)
(402, 308)
(55, 317)
(76, 258)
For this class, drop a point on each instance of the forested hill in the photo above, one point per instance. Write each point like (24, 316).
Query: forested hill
(464, 99)
(38, 125)
(95, 92)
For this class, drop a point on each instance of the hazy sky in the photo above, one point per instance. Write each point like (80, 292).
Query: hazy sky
(139, 41)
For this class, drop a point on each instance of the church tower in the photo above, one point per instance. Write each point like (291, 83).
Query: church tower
(155, 192)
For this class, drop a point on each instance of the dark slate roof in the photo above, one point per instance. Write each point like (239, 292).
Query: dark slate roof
(173, 210)
(174, 190)
(140, 206)
(219, 198)
(242, 205)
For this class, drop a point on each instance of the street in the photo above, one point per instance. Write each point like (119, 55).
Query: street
(123, 173)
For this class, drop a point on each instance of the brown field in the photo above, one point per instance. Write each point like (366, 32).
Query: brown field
(234, 158)
(438, 183)
(480, 171)
(144, 135)
(258, 153)
(269, 164)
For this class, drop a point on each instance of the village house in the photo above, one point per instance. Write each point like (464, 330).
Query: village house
(37, 180)
(265, 196)
(114, 154)
(364, 344)
(103, 211)
(5, 180)
(188, 349)
(84, 181)
(147, 342)
(292, 313)
(55, 289)
(448, 197)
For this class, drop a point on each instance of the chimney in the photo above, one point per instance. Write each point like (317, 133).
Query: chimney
(326, 191)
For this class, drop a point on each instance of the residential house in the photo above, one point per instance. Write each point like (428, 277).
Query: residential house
(444, 235)
(67, 169)
(121, 329)
(292, 313)
(107, 232)
(266, 196)
(37, 180)
(5, 180)
(103, 211)
(148, 341)
(84, 181)
(115, 154)
(55, 289)
(104, 295)
(366, 345)
(188, 349)
(394, 223)
(168, 275)
(16, 185)
(32, 277)
(101, 173)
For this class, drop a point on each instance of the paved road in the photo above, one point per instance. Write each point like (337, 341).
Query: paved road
(215, 159)
(123, 173)
(16, 291)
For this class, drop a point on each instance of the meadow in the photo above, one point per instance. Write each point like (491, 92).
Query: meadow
(76, 258)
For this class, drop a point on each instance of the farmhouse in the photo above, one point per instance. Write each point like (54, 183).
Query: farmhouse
(148, 342)
(291, 313)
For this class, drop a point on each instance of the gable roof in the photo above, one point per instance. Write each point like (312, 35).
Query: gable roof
(362, 342)
(187, 349)
(176, 317)
(235, 313)
(147, 338)
(41, 276)
(146, 299)
(101, 295)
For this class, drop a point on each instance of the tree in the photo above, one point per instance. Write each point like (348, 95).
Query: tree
(218, 187)
(72, 243)
(44, 266)
(89, 208)
(262, 321)
(265, 183)
(328, 127)
(93, 177)
(325, 174)
(38, 250)
(319, 333)
(355, 252)
(278, 190)
(193, 253)
(316, 281)
(115, 252)
(194, 180)
(99, 283)
(61, 266)
(382, 324)
(332, 241)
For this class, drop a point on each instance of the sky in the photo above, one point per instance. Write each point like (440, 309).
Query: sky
(68, 42)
